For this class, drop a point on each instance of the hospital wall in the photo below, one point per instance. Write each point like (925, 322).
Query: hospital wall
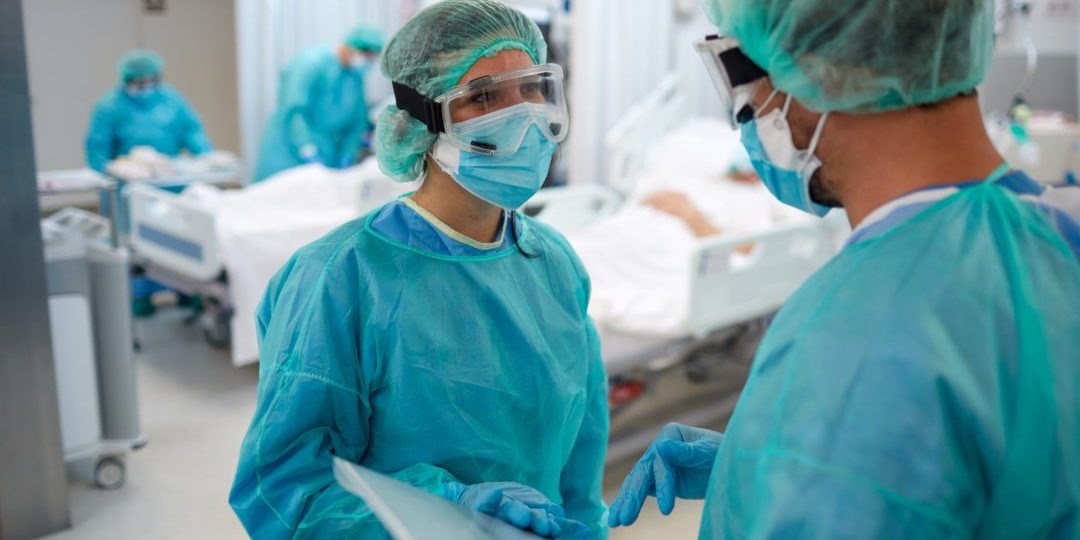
(1054, 26)
(73, 47)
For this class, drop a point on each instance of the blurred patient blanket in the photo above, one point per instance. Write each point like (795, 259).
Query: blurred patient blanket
(261, 226)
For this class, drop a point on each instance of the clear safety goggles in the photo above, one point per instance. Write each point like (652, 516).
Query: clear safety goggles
(143, 85)
(491, 115)
(733, 73)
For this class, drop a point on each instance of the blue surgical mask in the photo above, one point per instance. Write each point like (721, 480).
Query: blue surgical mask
(785, 170)
(507, 181)
(142, 94)
(360, 64)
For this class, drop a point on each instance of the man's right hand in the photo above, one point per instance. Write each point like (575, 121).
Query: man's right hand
(677, 464)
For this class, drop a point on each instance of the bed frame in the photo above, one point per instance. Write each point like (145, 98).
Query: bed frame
(175, 241)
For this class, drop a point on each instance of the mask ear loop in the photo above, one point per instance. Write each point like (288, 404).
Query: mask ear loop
(773, 94)
(814, 141)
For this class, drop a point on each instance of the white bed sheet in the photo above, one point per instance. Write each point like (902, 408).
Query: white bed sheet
(639, 258)
(261, 226)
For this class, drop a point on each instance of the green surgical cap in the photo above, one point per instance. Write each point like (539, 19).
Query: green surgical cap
(863, 56)
(140, 64)
(430, 54)
(365, 38)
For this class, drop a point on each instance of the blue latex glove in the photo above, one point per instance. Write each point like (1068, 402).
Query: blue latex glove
(677, 464)
(518, 505)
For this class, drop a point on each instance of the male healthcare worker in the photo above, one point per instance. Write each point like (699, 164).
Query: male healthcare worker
(142, 111)
(924, 383)
(322, 112)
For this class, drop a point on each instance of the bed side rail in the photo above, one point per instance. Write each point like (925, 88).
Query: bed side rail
(571, 208)
(729, 287)
(175, 233)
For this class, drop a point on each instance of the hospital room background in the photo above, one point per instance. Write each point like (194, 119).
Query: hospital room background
(123, 426)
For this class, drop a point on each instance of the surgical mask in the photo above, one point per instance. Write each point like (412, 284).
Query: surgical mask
(784, 169)
(141, 93)
(360, 63)
(506, 181)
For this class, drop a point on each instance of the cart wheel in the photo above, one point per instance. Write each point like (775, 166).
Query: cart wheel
(110, 473)
(217, 333)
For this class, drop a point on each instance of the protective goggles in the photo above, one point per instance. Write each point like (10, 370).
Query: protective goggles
(733, 73)
(143, 85)
(492, 115)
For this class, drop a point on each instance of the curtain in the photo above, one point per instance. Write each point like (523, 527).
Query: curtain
(620, 51)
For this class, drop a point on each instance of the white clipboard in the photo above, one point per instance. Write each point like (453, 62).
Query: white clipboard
(409, 513)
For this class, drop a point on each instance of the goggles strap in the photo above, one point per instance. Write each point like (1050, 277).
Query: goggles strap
(740, 68)
(419, 107)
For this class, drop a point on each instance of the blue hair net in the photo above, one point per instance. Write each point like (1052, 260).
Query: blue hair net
(864, 55)
(140, 64)
(365, 38)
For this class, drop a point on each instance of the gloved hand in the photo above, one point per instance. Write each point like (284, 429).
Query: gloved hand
(516, 504)
(677, 464)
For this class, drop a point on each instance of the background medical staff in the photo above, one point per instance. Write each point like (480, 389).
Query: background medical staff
(142, 111)
(925, 383)
(322, 114)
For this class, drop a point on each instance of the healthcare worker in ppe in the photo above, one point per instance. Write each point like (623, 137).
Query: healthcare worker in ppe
(322, 110)
(443, 339)
(142, 111)
(925, 382)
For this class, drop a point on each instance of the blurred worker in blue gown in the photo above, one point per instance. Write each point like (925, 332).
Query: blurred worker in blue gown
(142, 111)
(444, 338)
(322, 113)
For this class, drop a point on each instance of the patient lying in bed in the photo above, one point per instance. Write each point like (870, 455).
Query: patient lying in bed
(696, 186)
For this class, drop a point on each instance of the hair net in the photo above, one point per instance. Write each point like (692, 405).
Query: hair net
(863, 55)
(365, 38)
(140, 64)
(430, 54)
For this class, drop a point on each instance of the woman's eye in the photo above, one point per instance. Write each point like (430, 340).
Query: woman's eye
(530, 89)
(483, 99)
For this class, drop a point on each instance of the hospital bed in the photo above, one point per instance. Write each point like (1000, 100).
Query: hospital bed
(178, 241)
(731, 296)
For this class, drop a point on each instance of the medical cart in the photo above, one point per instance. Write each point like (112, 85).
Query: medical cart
(91, 327)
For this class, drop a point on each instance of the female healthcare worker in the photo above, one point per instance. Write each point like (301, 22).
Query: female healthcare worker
(322, 109)
(442, 339)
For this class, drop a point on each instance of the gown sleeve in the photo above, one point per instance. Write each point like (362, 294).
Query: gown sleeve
(581, 482)
(313, 404)
(296, 90)
(194, 136)
(352, 142)
(100, 137)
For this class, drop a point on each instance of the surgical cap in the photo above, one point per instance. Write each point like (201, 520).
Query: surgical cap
(430, 54)
(365, 38)
(863, 56)
(140, 64)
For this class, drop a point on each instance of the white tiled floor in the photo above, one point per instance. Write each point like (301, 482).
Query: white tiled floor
(195, 409)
